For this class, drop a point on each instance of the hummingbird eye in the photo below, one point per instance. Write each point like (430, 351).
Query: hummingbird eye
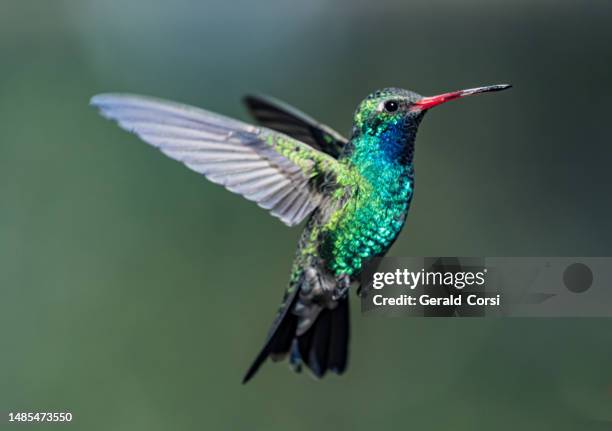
(391, 106)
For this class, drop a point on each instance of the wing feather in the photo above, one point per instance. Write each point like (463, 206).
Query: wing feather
(280, 116)
(272, 169)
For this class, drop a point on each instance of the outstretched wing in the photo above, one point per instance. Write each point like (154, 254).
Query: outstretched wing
(274, 170)
(280, 116)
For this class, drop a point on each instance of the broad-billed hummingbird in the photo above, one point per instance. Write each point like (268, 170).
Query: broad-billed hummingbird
(353, 193)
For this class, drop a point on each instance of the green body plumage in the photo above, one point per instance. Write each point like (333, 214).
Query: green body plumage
(373, 190)
(367, 217)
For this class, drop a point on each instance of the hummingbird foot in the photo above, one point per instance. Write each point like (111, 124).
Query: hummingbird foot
(321, 289)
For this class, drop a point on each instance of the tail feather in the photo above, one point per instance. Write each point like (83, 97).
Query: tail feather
(321, 334)
(280, 336)
(281, 343)
(338, 343)
(323, 347)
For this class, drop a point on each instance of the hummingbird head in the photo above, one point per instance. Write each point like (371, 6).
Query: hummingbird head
(391, 117)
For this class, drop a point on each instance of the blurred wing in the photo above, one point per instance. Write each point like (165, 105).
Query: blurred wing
(280, 116)
(273, 170)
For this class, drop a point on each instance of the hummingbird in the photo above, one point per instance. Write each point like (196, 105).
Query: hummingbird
(353, 194)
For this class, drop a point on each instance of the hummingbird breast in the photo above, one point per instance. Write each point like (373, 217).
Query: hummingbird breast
(369, 220)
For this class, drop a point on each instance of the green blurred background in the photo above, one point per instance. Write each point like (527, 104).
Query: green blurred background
(134, 293)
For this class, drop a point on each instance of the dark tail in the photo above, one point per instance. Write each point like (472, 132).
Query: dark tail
(323, 347)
